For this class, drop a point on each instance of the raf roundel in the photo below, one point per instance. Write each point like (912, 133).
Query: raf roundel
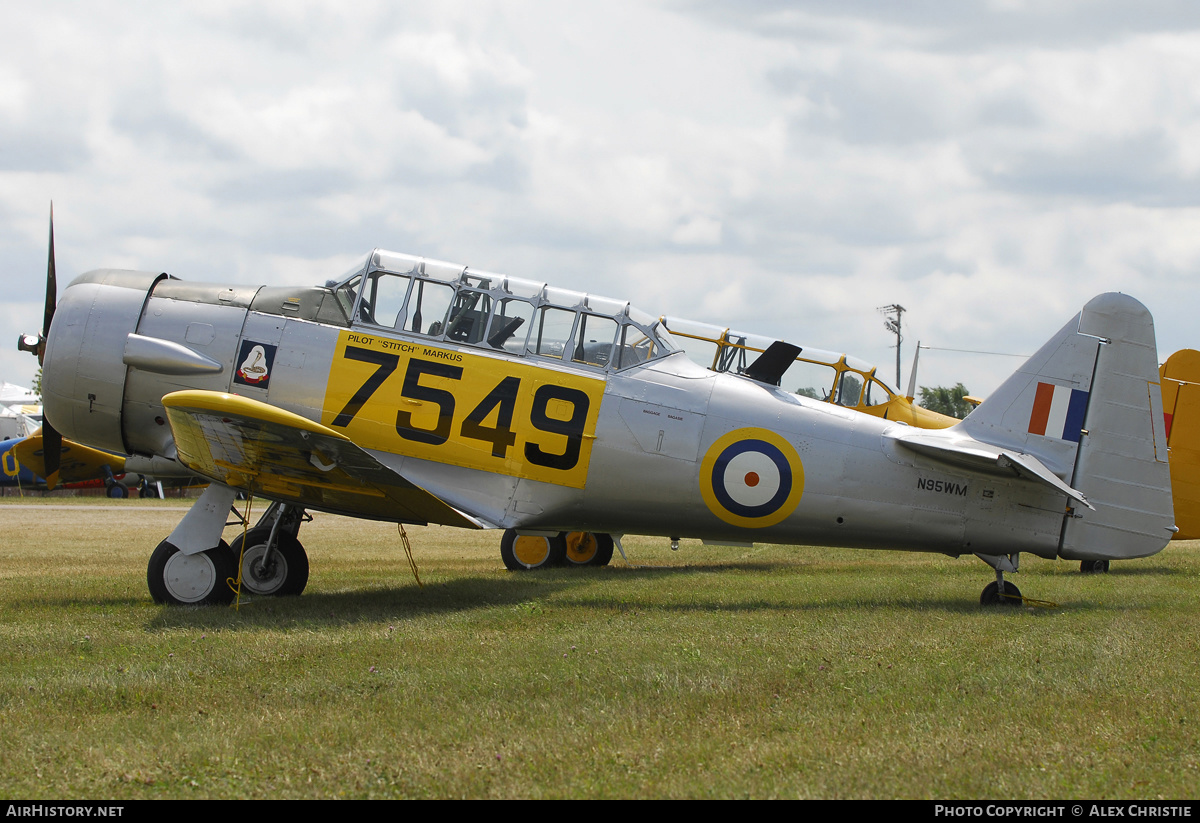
(751, 478)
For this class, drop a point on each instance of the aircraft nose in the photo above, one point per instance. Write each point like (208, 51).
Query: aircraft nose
(83, 375)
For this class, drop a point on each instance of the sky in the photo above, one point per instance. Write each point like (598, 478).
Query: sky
(782, 168)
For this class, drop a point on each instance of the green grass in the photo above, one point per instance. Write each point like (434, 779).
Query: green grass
(712, 672)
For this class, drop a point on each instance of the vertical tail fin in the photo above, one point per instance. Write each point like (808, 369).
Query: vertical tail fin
(1088, 405)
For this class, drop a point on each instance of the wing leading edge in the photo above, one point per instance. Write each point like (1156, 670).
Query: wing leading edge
(262, 449)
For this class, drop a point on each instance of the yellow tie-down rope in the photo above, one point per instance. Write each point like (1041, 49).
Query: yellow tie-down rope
(235, 582)
(1029, 601)
(412, 564)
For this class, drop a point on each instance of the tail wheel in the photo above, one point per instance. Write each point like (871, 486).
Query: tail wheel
(991, 595)
(285, 570)
(182, 579)
(530, 551)
(588, 548)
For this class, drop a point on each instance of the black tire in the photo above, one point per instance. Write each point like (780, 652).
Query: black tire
(185, 580)
(288, 574)
(117, 491)
(1094, 567)
(991, 595)
(523, 552)
(587, 548)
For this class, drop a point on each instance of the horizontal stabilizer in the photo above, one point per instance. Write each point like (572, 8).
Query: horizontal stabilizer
(265, 450)
(986, 458)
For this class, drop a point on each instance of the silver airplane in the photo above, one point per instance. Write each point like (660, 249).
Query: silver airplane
(417, 391)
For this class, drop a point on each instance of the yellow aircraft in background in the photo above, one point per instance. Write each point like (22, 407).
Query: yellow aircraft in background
(822, 375)
(22, 464)
(1180, 379)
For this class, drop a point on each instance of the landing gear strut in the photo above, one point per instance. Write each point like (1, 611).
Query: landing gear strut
(1000, 593)
(273, 561)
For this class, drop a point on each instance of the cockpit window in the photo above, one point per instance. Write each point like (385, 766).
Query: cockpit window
(636, 347)
(427, 307)
(551, 332)
(877, 393)
(468, 316)
(510, 325)
(594, 340)
(849, 390)
(383, 298)
(808, 379)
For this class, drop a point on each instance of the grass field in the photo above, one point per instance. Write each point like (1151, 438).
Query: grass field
(711, 672)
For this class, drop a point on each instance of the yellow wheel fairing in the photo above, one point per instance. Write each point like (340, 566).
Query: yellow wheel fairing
(751, 478)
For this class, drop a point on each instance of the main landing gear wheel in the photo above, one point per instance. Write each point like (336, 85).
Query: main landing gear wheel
(991, 595)
(588, 548)
(285, 571)
(529, 551)
(116, 492)
(189, 579)
(1094, 567)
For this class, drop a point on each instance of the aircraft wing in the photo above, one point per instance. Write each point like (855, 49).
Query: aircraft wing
(262, 449)
(78, 462)
(987, 458)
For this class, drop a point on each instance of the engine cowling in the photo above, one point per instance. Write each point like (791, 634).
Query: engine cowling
(83, 373)
(121, 340)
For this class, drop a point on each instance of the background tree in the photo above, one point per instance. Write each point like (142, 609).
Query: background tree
(948, 401)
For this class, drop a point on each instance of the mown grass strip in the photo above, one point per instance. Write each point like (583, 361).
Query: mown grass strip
(712, 672)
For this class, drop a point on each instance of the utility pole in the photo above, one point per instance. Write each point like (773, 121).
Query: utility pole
(892, 324)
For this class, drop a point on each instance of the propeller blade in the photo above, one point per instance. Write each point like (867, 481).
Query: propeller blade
(51, 453)
(51, 291)
(51, 439)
